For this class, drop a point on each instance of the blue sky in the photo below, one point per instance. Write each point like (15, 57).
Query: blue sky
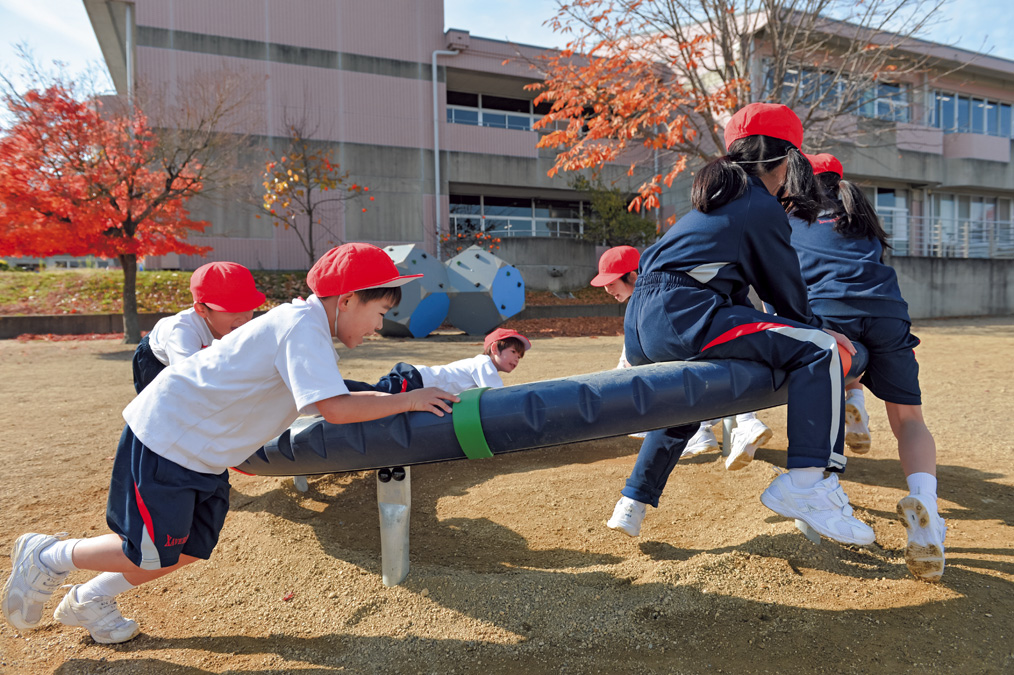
(59, 29)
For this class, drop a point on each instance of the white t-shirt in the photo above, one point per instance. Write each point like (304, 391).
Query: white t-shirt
(176, 337)
(458, 376)
(214, 409)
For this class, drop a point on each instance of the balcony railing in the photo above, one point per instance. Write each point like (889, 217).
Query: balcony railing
(931, 237)
(517, 227)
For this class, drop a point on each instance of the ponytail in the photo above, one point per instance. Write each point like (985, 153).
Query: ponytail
(718, 183)
(855, 217)
(725, 179)
(800, 194)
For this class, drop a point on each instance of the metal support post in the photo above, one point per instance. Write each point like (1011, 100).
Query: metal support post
(728, 424)
(394, 500)
(810, 533)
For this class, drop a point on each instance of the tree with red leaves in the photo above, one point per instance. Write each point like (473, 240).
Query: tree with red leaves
(80, 178)
(650, 83)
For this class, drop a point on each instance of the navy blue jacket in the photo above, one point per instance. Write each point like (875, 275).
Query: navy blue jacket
(844, 276)
(744, 243)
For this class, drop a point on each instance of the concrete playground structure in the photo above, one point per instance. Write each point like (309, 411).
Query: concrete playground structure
(476, 291)
(486, 291)
(521, 417)
(424, 302)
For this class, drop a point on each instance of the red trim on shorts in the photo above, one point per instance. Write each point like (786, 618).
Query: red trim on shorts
(242, 472)
(145, 516)
(404, 386)
(740, 331)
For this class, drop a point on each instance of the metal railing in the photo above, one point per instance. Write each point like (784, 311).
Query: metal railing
(517, 227)
(930, 237)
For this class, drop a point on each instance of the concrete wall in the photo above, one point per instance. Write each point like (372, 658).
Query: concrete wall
(70, 324)
(551, 264)
(942, 287)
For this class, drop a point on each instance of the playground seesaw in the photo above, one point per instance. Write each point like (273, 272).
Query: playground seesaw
(519, 417)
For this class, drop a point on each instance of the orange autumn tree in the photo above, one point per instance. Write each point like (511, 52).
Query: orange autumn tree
(79, 180)
(649, 84)
(301, 184)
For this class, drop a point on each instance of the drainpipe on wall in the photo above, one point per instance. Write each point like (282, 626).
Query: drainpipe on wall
(436, 139)
(129, 55)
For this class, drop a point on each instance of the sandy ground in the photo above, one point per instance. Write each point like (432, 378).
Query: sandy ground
(513, 569)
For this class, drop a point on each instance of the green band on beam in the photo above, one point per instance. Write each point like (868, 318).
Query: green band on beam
(468, 424)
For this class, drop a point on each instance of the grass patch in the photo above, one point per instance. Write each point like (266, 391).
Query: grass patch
(90, 291)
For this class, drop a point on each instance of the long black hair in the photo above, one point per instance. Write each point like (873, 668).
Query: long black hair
(855, 217)
(725, 179)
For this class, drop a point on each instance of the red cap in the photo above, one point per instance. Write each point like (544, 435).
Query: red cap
(503, 334)
(616, 262)
(354, 267)
(225, 287)
(825, 163)
(765, 119)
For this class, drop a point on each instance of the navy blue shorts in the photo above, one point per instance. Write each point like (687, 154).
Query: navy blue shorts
(893, 373)
(403, 377)
(145, 365)
(162, 510)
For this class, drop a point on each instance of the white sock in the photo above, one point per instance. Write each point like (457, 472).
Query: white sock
(59, 557)
(106, 584)
(922, 484)
(745, 417)
(806, 477)
(856, 397)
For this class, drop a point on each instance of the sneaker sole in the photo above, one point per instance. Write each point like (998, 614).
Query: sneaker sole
(738, 461)
(67, 618)
(923, 554)
(779, 507)
(101, 641)
(620, 528)
(19, 546)
(698, 450)
(857, 441)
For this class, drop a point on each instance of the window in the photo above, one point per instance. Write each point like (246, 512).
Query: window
(992, 115)
(885, 101)
(808, 86)
(485, 110)
(978, 116)
(892, 207)
(515, 216)
(963, 114)
(945, 111)
(971, 226)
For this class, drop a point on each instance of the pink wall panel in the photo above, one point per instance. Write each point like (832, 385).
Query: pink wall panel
(489, 55)
(487, 141)
(346, 106)
(977, 146)
(397, 29)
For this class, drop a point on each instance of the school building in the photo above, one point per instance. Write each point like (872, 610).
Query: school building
(392, 91)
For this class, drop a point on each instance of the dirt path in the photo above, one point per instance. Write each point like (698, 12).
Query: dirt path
(513, 569)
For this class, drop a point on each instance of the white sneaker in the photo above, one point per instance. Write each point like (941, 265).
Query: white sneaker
(703, 441)
(857, 428)
(746, 438)
(31, 583)
(639, 434)
(627, 517)
(824, 507)
(924, 553)
(100, 616)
